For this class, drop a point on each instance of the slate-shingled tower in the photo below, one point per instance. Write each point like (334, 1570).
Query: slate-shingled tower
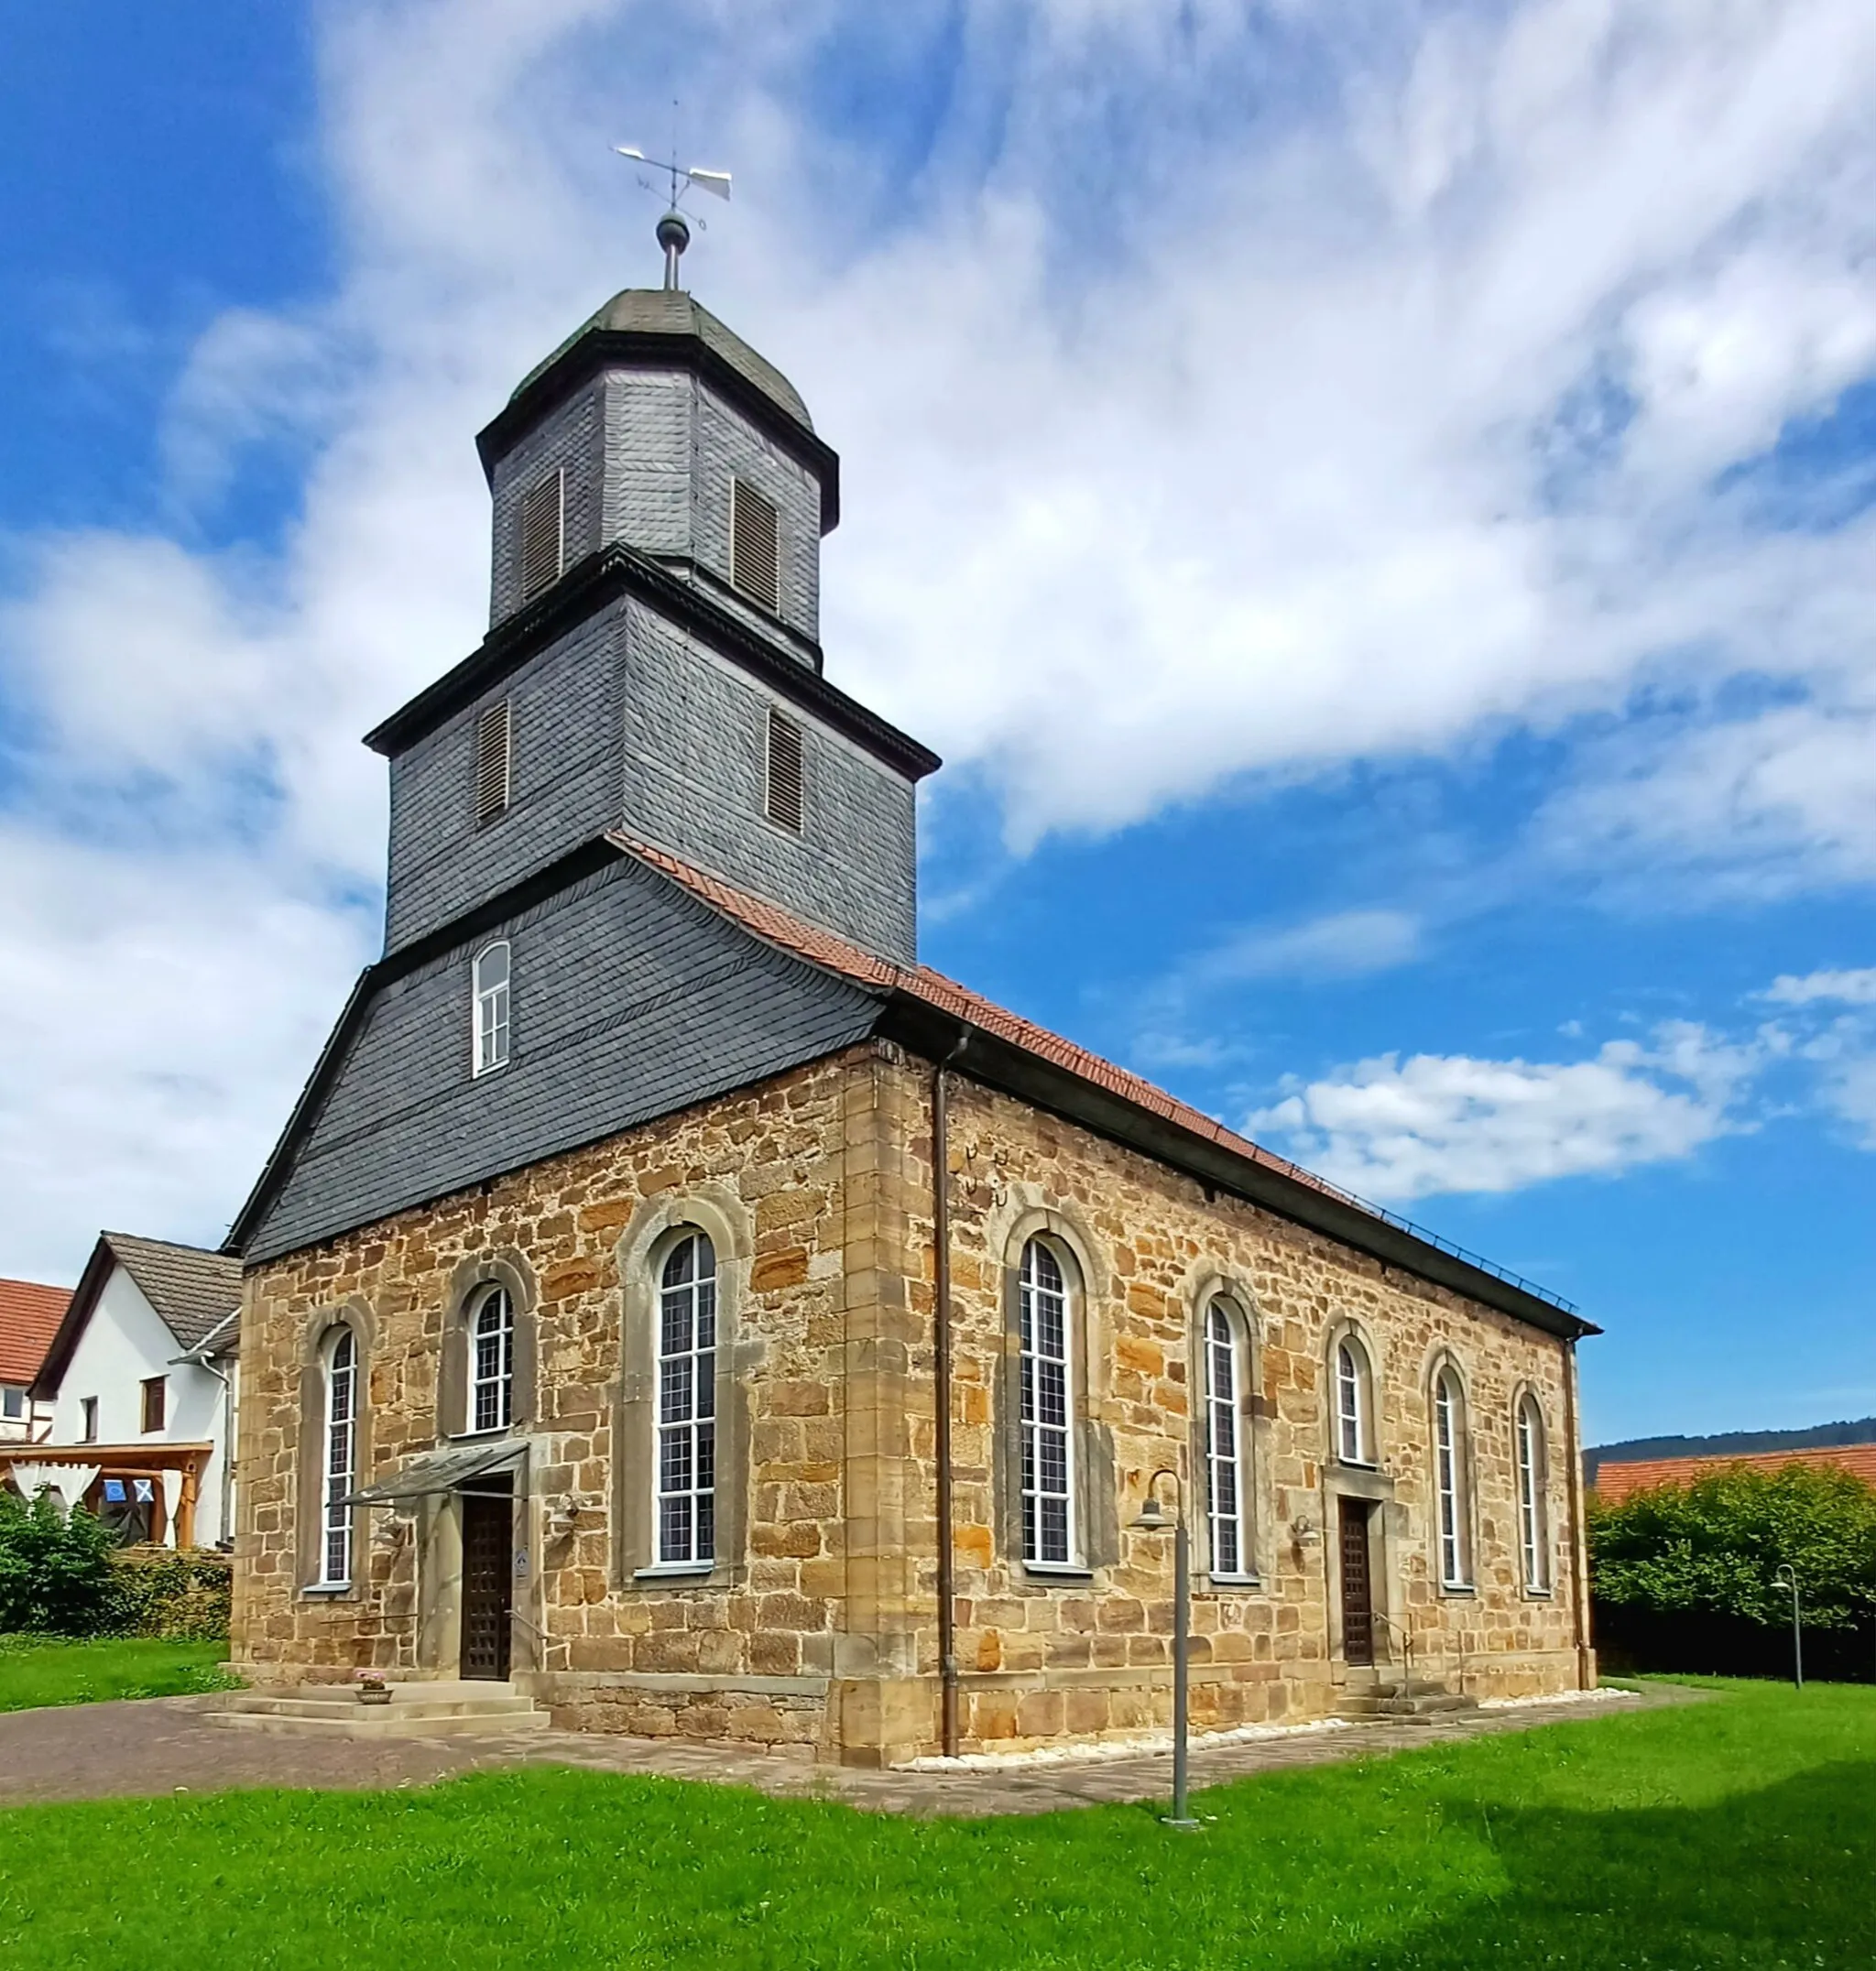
(600, 1291)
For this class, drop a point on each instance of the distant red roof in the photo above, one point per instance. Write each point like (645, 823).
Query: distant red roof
(29, 1317)
(1614, 1482)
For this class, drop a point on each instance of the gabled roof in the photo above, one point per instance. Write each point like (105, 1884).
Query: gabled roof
(1107, 1094)
(29, 1318)
(1618, 1478)
(193, 1293)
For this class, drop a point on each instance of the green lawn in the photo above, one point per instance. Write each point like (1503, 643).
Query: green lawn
(1736, 1833)
(36, 1671)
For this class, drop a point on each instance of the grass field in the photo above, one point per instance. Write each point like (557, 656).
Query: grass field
(1736, 1833)
(35, 1671)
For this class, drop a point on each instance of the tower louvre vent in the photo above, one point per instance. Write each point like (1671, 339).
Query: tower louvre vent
(492, 730)
(783, 794)
(543, 534)
(754, 559)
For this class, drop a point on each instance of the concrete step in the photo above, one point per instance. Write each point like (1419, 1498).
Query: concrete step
(420, 1710)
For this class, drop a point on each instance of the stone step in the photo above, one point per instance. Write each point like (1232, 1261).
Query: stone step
(427, 1710)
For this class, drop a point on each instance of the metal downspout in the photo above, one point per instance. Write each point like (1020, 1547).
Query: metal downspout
(1578, 1611)
(941, 1340)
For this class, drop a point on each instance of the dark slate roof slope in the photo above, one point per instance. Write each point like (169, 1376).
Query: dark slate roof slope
(193, 1291)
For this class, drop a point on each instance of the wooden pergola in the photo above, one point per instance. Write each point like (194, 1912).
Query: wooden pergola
(128, 1461)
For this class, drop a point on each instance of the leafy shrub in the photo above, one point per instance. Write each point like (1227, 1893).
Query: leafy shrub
(181, 1597)
(56, 1577)
(1715, 1546)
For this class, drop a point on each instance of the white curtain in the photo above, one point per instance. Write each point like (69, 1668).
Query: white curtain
(70, 1482)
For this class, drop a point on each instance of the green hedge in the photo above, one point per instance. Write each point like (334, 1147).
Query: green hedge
(62, 1576)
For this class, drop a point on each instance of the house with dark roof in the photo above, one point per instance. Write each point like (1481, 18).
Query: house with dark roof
(671, 1301)
(138, 1381)
(29, 1317)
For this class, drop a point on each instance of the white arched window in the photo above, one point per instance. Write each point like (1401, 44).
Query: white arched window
(491, 972)
(340, 1464)
(1226, 1370)
(1048, 1409)
(1354, 1404)
(1534, 1538)
(1449, 1475)
(685, 1505)
(492, 1362)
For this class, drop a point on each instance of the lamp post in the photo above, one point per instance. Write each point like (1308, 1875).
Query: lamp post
(1152, 1520)
(1787, 1576)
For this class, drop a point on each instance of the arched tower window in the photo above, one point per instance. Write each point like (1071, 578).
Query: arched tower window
(1353, 1404)
(1534, 1535)
(491, 980)
(340, 1463)
(1048, 1411)
(1227, 1368)
(1449, 1472)
(492, 1362)
(685, 1477)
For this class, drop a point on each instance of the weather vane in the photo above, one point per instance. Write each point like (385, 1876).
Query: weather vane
(674, 228)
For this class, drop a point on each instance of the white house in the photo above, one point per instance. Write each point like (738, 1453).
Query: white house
(141, 1381)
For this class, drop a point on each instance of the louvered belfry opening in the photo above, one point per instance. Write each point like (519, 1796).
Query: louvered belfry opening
(492, 730)
(543, 542)
(783, 801)
(754, 559)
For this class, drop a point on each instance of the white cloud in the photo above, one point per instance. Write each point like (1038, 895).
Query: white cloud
(1394, 1129)
(1850, 989)
(1344, 944)
(1383, 401)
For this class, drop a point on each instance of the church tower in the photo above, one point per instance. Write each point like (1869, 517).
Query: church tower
(651, 684)
(653, 661)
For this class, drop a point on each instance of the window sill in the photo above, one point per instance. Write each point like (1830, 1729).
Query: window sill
(1235, 1580)
(327, 1590)
(1057, 1571)
(466, 1437)
(1540, 1594)
(1459, 1590)
(676, 1571)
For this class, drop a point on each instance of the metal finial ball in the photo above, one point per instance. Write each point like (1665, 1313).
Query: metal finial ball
(674, 234)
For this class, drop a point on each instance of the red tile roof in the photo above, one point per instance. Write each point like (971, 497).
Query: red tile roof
(808, 941)
(1614, 1482)
(29, 1317)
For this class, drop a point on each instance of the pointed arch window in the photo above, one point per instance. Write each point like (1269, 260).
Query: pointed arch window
(1353, 1404)
(492, 975)
(340, 1463)
(1227, 1368)
(685, 1481)
(1048, 1409)
(492, 1362)
(1449, 1475)
(1534, 1535)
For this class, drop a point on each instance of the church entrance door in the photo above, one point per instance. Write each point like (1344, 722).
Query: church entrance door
(488, 1585)
(1357, 1584)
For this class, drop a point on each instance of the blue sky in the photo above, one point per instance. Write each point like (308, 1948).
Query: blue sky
(1374, 504)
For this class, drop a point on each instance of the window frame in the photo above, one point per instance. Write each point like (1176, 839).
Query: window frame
(554, 483)
(493, 749)
(1531, 1457)
(88, 1420)
(153, 1404)
(1350, 1347)
(15, 1402)
(768, 600)
(337, 1526)
(1224, 1325)
(701, 1430)
(502, 1382)
(1452, 1488)
(1034, 1432)
(492, 1011)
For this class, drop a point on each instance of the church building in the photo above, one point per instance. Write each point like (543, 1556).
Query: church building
(671, 1299)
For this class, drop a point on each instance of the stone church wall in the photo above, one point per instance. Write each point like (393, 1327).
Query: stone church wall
(816, 1635)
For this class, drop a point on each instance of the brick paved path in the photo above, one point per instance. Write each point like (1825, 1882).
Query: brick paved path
(164, 1744)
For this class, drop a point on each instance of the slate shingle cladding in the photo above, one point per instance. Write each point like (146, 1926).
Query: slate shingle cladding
(630, 1000)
